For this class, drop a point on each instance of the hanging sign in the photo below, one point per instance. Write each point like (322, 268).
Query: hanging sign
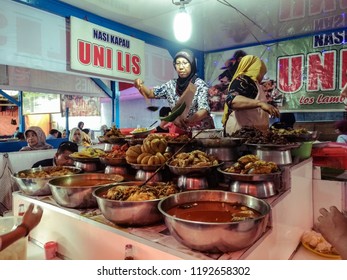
(102, 51)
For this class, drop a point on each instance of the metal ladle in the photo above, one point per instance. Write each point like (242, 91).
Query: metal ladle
(150, 107)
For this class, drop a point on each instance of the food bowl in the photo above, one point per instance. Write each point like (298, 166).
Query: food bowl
(214, 237)
(129, 213)
(141, 133)
(76, 191)
(260, 189)
(34, 181)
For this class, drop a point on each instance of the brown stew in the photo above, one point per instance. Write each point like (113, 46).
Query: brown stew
(213, 211)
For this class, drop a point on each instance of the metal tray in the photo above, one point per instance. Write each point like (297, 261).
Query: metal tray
(250, 177)
(191, 170)
(113, 161)
(113, 140)
(145, 167)
(279, 147)
(85, 159)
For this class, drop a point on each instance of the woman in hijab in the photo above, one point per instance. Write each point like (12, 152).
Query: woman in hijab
(246, 101)
(186, 88)
(79, 137)
(36, 139)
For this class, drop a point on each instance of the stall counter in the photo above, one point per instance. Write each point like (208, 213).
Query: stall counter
(83, 238)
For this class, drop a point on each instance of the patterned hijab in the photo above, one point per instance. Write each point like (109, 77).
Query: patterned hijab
(41, 145)
(251, 66)
(182, 83)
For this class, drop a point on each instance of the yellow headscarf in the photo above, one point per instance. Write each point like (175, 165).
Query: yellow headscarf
(251, 66)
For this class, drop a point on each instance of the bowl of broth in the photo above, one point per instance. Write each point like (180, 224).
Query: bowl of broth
(215, 221)
(76, 191)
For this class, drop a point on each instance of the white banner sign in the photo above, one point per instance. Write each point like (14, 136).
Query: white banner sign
(102, 51)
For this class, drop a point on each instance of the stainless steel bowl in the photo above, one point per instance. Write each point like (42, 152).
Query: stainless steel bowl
(215, 237)
(260, 189)
(128, 213)
(76, 191)
(38, 186)
(280, 157)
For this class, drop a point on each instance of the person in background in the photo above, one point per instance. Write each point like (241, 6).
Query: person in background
(59, 135)
(30, 220)
(163, 112)
(103, 129)
(86, 137)
(341, 130)
(61, 157)
(244, 101)
(79, 137)
(53, 134)
(198, 109)
(76, 136)
(333, 226)
(36, 139)
(80, 125)
(63, 134)
(20, 136)
(15, 134)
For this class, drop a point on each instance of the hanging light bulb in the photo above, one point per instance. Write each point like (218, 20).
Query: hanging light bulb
(182, 23)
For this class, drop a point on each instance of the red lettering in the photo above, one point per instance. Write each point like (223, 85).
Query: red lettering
(136, 68)
(343, 67)
(109, 56)
(127, 62)
(120, 61)
(290, 71)
(321, 75)
(99, 56)
(84, 52)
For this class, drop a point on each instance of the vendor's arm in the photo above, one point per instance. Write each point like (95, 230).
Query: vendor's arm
(145, 91)
(240, 102)
(242, 94)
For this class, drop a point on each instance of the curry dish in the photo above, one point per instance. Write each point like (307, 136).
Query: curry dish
(213, 212)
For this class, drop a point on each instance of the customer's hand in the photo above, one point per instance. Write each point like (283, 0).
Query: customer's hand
(32, 218)
(333, 226)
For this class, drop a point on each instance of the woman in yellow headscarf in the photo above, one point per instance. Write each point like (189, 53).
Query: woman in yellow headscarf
(246, 103)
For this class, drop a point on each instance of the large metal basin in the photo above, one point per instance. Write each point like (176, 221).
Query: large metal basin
(30, 182)
(129, 213)
(76, 191)
(215, 237)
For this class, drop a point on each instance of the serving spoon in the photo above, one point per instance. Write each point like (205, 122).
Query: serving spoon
(150, 107)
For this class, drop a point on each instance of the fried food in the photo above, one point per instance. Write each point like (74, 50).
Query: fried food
(146, 192)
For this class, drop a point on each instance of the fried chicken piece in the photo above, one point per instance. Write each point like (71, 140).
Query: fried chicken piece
(247, 158)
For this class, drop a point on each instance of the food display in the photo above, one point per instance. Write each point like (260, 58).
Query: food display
(34, 181)
(54, 171)
(117, 152)
(146, 192)
(315, 242)
(88, 153)
(252, 135)
(213, 212)
(130, 204)
(195, 158)
(203, 232)
(151, 152)
(296, 135)
(114, 135)
(251, 164)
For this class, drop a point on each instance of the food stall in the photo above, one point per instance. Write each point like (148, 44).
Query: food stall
(73, 229)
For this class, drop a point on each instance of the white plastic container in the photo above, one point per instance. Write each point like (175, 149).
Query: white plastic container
(17, 250)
